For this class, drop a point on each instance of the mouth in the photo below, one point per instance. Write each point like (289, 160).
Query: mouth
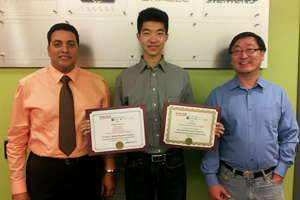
(153, 47)
(244, 63)
(64, 57)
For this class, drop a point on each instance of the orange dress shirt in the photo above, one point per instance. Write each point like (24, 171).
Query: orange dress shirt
(35, 117)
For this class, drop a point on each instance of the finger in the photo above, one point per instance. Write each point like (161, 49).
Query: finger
(225, 194)
(110, 193)
(221, 132)
(102, 190)
(85, 133)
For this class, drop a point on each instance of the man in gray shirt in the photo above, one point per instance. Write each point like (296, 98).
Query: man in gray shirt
(153, 81)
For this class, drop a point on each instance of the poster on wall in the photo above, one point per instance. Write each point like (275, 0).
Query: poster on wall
(199, 30)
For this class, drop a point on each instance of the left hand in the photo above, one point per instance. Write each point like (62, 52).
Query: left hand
(219, 130)
(85, 127)
(108, 184)
(276, 178)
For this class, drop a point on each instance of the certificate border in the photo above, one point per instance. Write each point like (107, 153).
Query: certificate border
(93, 153)
(163, 125)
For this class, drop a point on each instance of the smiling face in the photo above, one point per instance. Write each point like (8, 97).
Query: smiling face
(63, 51)
(247, 64)
(152, 38)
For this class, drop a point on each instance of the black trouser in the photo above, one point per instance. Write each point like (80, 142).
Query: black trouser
(163, 174)
(58, 179)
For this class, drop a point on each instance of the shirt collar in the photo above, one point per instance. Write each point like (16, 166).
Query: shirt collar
(143, 65)
(57, 75)
(236, 83)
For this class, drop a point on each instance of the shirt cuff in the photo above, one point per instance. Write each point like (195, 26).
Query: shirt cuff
(18, 186)
(211, 179)
(281, 169)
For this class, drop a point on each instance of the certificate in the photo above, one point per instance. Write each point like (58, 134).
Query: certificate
(117, 129)
(189, 126)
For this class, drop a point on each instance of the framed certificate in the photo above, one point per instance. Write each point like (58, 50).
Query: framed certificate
(117, 129)
(189, 126)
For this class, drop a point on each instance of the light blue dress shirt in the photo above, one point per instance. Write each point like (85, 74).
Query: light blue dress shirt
(261, 129)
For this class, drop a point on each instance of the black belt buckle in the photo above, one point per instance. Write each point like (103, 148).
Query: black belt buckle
(157, 157)
(70, 161)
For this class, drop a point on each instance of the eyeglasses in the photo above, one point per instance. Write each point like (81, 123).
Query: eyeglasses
(247, 51)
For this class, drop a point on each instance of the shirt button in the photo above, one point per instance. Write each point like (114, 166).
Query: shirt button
(250, 108)
(158, 150)
(155, 120)
(157, 135)
(251, 159)
(154, 104)
(153, 74)
(251, 142)
(250, 125)
(154, 89)
(249, 93)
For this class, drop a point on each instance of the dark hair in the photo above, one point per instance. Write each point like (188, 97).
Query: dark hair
(62, 26)
(258, 39)
(152, 14)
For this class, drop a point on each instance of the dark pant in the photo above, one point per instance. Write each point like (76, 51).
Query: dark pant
(144, 178)
(53, 179)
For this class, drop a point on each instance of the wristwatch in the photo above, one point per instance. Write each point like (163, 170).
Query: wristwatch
(111, 171)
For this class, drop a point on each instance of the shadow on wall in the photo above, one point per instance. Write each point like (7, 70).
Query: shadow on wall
(223, 59)
(86, 56)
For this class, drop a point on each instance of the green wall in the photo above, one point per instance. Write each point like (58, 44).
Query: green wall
(283, 51)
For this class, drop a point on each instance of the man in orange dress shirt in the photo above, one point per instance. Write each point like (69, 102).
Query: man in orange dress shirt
(34, 125)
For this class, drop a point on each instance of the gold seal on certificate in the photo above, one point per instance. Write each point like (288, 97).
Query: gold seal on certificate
(117, 129)
(189, 126)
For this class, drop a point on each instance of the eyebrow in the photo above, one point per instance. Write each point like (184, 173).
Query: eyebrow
(62, 41)
(235, 46)
(156, 30)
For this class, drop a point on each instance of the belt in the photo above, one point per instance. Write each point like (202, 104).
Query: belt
(66, 161)
(162, 157)
(248, 174)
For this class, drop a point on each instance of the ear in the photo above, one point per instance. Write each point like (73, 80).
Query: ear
(167, 36)
(48, 50)
(262, 55)
(138, 36)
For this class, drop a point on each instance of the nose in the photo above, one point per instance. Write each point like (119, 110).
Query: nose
(243, 54)
(152, 38)
(65, 48)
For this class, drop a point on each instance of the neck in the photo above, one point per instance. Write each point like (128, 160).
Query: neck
(152, 61)
(247, 81)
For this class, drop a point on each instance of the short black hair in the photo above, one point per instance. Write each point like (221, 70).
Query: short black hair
(152, 14)
(258, 39)
(62, 26)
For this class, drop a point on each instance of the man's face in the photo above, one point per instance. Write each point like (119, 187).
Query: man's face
(247, 64)
(63, 50)
(152, 38)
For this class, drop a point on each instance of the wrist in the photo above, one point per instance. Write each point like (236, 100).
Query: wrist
(110, 171)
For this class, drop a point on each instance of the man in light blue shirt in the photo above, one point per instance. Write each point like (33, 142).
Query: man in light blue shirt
(261, 134)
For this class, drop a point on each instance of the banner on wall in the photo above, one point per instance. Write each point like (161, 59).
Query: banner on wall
(199, 30)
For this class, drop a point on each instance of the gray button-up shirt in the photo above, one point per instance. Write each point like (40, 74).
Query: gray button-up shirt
(141, 84)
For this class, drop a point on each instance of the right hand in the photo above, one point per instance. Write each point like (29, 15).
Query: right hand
(85, 127)
(21, 196)
(218, 192)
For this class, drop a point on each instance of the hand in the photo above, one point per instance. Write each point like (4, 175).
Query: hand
(219, 130)
(108, 184)
(85, 127)
(218, 192)
(276, 178)
(20, 196)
